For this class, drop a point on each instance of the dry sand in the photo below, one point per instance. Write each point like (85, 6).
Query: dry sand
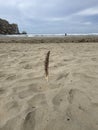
(69, 101)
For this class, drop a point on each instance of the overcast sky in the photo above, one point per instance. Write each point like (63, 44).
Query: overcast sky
(52, 16)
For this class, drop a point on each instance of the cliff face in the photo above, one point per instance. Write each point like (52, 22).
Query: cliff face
(6, 28)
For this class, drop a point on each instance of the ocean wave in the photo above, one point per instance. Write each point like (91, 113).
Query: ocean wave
(49, 35)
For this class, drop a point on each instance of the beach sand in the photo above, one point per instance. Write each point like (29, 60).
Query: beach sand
(68, 101)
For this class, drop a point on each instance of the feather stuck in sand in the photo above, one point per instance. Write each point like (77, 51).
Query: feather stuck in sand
(47, 65)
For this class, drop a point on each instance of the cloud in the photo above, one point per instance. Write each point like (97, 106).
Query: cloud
(89, 11)
(51, 16)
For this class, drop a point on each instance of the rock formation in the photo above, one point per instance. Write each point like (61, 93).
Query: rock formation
(6, 28)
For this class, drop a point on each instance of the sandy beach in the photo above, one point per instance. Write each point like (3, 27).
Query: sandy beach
(68, 101)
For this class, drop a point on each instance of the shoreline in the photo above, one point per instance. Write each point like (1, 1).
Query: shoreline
(49, 39)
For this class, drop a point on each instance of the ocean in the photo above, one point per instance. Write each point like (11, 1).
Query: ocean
(48, 35)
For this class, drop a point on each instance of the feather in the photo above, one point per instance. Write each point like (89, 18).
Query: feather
(47, 65)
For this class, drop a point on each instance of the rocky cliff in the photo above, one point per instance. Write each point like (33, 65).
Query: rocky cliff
(6, 28)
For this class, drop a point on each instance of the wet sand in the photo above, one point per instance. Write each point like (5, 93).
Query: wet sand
(68, 101)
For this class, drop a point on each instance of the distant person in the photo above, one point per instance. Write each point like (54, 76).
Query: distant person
(65, 34)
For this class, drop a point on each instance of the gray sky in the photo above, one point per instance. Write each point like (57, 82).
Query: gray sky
(52, 16)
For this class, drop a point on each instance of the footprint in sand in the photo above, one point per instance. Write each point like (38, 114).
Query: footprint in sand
(37, 100)
(62, 76)
(2, 91)
(11, 77)
(29, 121)
(60, 98)
(27, 66)
(25, 93)
(71, 95)
(2, 74)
